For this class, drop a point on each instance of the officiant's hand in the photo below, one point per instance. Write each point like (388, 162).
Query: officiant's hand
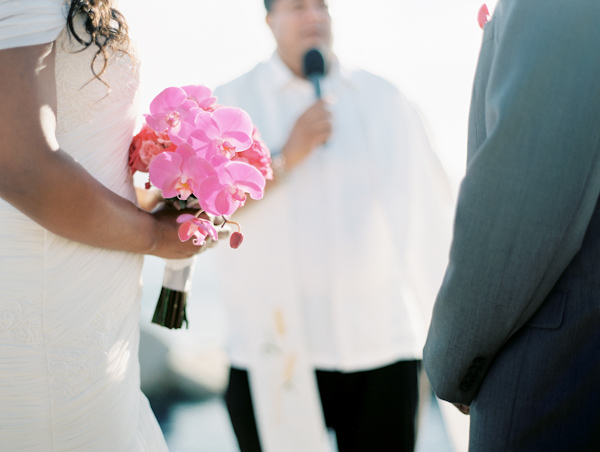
(311, 130)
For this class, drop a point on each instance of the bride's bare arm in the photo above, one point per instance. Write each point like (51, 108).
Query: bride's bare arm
(50, 187)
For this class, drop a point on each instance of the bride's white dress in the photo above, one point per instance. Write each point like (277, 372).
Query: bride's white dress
(69, 370)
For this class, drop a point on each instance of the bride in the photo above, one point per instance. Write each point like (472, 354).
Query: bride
(72, 239)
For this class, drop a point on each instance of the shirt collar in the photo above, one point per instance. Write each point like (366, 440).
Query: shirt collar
(282, 76)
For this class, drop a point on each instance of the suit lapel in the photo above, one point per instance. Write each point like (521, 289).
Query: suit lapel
(477, 129)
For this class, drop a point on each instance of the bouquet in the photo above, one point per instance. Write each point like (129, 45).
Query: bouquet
(203, 156)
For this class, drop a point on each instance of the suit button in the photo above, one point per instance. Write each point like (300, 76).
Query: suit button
(474, 370)
(479, 362)
(470, 378)
(465, 386)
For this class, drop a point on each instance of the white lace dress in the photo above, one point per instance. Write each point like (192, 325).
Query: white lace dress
(69, 370)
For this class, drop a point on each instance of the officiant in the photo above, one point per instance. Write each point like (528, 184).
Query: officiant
(329, 296)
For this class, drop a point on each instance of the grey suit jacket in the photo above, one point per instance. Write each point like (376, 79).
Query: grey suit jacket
(516, 325)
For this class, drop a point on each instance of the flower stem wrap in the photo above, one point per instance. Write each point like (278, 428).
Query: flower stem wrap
(177, 283)
(170, 309)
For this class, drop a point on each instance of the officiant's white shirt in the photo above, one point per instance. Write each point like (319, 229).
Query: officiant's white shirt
(346, 254)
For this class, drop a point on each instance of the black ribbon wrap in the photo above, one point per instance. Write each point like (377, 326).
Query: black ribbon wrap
(170, 309)
(176, 288)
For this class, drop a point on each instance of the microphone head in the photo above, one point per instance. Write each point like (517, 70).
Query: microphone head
(313, 63)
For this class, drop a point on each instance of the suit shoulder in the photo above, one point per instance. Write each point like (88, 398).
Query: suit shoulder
(557, 22)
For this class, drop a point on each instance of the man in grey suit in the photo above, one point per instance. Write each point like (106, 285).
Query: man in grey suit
(515, 335)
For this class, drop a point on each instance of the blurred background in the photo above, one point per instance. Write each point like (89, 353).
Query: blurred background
(428, 48)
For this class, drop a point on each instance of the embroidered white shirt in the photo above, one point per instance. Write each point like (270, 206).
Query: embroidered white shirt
(353, 243)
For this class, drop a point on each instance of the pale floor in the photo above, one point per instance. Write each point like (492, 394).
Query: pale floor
(203, 426)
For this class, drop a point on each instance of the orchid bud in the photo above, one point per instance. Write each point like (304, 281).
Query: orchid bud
(236, 239)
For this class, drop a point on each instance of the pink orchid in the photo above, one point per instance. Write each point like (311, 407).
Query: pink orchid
(179, 173)
(201, 95)
(483, 16)
(198, 228)
(171, 111)
(257, 155)
(225, 191)
(223, 132)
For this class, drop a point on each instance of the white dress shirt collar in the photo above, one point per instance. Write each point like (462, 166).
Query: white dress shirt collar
(282, 75)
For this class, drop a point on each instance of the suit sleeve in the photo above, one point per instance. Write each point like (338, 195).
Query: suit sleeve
(529, 191)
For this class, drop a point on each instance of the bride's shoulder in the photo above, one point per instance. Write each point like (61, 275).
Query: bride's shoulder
(90, 79)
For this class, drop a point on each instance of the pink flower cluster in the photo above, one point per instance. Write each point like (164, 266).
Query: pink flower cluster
(192, 147)
(257, 155)
(145, 146)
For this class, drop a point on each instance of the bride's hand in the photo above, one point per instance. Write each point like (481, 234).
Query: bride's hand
(223, 230)
(48, 185)
(148, 199)
(170, 246)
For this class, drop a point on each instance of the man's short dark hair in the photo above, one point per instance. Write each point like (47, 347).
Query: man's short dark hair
(269, 5)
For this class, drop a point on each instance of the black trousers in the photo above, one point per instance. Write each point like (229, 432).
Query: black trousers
(370, 411)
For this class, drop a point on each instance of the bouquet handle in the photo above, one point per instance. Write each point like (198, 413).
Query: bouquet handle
(177, 284)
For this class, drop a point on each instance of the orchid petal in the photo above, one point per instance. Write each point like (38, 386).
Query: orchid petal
(207, 194)
(206, 123)
(186, 230)
(165, 171)
(187, 106)
(247, 178)
(199, 169)
(235, 126)
(186, 152)
(185, 217)
(219, 161)
(168, 100)
(204, 146)
(196, 227)
(209, 228)
(159, 123)
(204, 138)
(187, 124)
(224, 203)
(200, 94)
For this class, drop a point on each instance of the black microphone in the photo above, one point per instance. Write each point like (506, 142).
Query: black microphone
(313, 67)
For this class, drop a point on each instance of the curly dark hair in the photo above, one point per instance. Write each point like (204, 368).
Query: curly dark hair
(105, 26)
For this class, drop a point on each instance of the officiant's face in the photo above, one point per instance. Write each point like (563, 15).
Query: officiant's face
(300, 25)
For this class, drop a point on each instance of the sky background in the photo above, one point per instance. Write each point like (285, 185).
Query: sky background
(428, 48)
